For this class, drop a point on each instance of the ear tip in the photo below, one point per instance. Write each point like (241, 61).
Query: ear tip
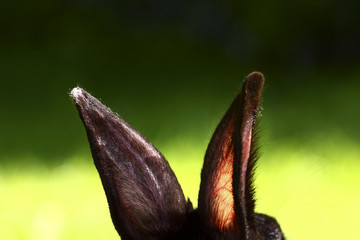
(81, 97)
(256, 77)
(76, 92)
(254, 81)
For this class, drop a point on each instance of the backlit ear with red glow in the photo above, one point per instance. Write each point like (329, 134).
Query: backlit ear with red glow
(226, 201)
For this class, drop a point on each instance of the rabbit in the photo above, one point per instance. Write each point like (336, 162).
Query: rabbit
(144, 196)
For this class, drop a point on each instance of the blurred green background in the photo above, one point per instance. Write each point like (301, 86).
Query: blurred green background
(171, 69)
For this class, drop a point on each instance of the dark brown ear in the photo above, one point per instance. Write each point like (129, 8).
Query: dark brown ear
(226, 200)
(144, 196)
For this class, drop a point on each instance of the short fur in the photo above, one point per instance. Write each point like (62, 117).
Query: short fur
(144, 196)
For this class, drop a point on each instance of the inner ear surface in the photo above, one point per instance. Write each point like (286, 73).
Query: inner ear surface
(226, 193)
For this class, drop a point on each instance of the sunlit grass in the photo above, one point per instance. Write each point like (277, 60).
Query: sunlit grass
(312, 190)
(62, 203)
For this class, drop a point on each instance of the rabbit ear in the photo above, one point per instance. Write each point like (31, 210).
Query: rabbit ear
(144, 196)
(226, 200)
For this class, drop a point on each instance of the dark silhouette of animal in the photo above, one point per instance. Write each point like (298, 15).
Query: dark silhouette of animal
(144, 196)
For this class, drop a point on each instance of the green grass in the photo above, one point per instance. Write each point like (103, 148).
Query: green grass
(312, 190)
(62, 203)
